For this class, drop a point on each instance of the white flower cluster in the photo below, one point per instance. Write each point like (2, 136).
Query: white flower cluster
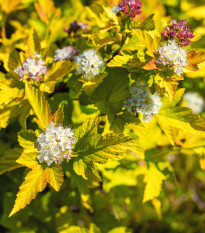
(142, 101)
(90, 63)
(32, 68)
(64, 53)
(194, 101)
(173, 55)
(55, 144)
(116, 9)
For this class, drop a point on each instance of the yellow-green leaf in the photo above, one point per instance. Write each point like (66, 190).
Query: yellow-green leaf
(153, 179)
(34, 182)
(59, 69)
(172, 118)
(26, 139)
(11, 62)
(54, 176)
(194, 59)
(39, 105)
(28, 160)
(151, 42)
(34, 44)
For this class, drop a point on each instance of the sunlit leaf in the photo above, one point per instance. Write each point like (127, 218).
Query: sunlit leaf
(39, 105)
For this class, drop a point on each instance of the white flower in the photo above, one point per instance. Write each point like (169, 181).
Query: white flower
(116, 9)
(173, 55)
(194, 101)
(32, 68)
(142, 101)
(90, 63)
(55, 144)
(64, 53)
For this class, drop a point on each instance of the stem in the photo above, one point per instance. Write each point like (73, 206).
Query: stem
(124, 37)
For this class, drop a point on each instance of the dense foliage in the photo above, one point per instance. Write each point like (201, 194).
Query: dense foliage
(102, 116)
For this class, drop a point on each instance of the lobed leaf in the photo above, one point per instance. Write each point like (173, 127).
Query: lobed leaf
(93, 147)
(34, 182)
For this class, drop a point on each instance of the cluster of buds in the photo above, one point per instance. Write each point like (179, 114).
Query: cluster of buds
(55, 144)
(173, 56)
(90, 63)
(76, 27)
(142, 101)
(179, 31)
(65, 53)
(130, 8)
(194, 101)
(32, 68)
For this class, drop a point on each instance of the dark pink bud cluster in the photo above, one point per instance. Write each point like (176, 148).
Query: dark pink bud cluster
(179, 31)
(130, 8)
(77, 27)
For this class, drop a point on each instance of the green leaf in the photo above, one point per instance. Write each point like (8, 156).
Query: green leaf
(153, 179)
(36, 180)
(150, 41)
(61, 102)
(86, 170)
(28, 160)
(147, 24)
(59, 69)
(132, 45)
(26, 139)
(194, 59)
(39, 105)
(34, 183)
(118, 121)
(8, 160)
(168, 82)
(11, 62)
(10, 111)
(172, 118)
(119, 176)
(112, 92)
(90, 86)
(34, 44)
(58, 116)
(119, 60)
(93, 147)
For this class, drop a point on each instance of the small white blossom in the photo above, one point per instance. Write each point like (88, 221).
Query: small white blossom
(142, 101)
(173, 55)
(55, 144)
(116, 9)
(64, 54)
(33, 68)
(90, 63)
(194, 101)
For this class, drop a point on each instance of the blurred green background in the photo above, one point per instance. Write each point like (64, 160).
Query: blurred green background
(183, 205)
